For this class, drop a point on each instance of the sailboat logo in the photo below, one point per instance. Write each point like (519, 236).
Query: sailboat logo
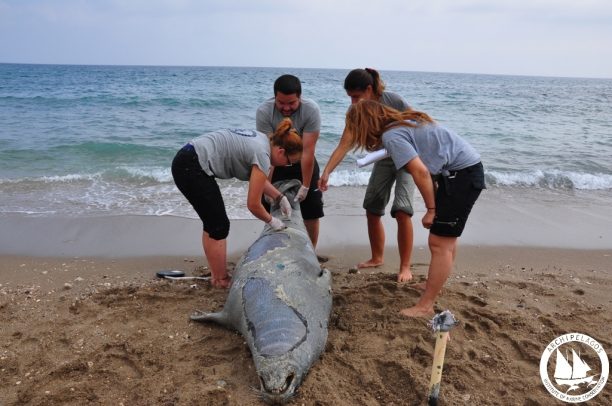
(575, 381)
(572, 375)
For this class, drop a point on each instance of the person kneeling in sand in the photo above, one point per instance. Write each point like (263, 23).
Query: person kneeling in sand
(425, 148)
(243, 154)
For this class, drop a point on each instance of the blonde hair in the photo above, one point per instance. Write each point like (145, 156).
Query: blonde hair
(367, 120)
(287, 137)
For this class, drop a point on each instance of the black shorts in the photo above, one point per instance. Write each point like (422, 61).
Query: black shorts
(455, 197)
(202, 191)
(312, 206)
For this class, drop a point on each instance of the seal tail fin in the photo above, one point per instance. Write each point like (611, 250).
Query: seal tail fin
(288, 187)
(203, 317)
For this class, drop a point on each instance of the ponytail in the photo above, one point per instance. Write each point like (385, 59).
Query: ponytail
(360, 79)
(287, 137)
(378, 86)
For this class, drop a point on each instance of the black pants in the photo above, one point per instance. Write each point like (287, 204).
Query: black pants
(202, 191)
(311, 207)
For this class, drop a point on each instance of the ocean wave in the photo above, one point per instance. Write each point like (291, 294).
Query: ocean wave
(159, 175)
(550, 179)
(181, 101)
(151, 176)
(106, 100)
(349, 178)
(114, 150)
(150, 191)
(120, 175)
(124, 176)
(70, 178)
(545, 179)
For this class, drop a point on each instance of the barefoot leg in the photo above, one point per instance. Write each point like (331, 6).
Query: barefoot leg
(404, 244)
(216, 254)
(376, 234)
(442, 249)
(312, 227)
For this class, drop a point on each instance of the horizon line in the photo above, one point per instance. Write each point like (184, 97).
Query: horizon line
(295, 67)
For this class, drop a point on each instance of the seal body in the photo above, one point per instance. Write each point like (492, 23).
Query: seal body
(280, 301)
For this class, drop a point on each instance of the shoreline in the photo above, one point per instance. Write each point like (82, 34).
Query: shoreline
(52, 272)
(496, 220)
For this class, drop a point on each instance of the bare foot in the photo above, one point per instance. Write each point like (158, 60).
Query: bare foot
(370, 263)
(417, 312)
(404, 275)
(221, 283)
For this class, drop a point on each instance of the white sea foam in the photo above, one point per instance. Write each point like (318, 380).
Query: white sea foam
(49, 179)
(158, 174)
(349, 178)
(150, 191)
(64, 178)
(127, 175)
(551, 179)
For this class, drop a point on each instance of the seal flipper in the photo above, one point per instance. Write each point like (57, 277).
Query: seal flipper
(218, 317)
(288, 188)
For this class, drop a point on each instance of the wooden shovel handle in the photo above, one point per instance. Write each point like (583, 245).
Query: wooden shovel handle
(436, 370)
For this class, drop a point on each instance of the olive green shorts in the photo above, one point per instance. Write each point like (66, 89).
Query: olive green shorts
(379, 188)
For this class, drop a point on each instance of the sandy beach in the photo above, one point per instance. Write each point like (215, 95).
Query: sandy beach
(85, 321)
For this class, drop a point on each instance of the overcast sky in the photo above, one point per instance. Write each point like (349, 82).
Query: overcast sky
(524, 37)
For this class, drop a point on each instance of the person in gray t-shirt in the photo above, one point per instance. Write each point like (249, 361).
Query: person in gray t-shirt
(423, 148)
(367, 84)
(306, 118)
(224, 154)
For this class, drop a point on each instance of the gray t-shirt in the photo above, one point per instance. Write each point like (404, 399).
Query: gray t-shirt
(227, 153)
(306, 119)
(394, 100)
(439, 148)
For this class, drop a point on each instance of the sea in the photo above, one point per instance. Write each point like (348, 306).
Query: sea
(85, 141)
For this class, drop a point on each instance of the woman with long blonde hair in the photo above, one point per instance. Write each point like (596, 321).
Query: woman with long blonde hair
(428, 151)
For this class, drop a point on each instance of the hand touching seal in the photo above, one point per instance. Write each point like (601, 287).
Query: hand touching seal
(285, 206)
(301, 194)
(276, 224)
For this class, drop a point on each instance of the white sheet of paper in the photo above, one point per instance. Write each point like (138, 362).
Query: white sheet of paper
(372, 157)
